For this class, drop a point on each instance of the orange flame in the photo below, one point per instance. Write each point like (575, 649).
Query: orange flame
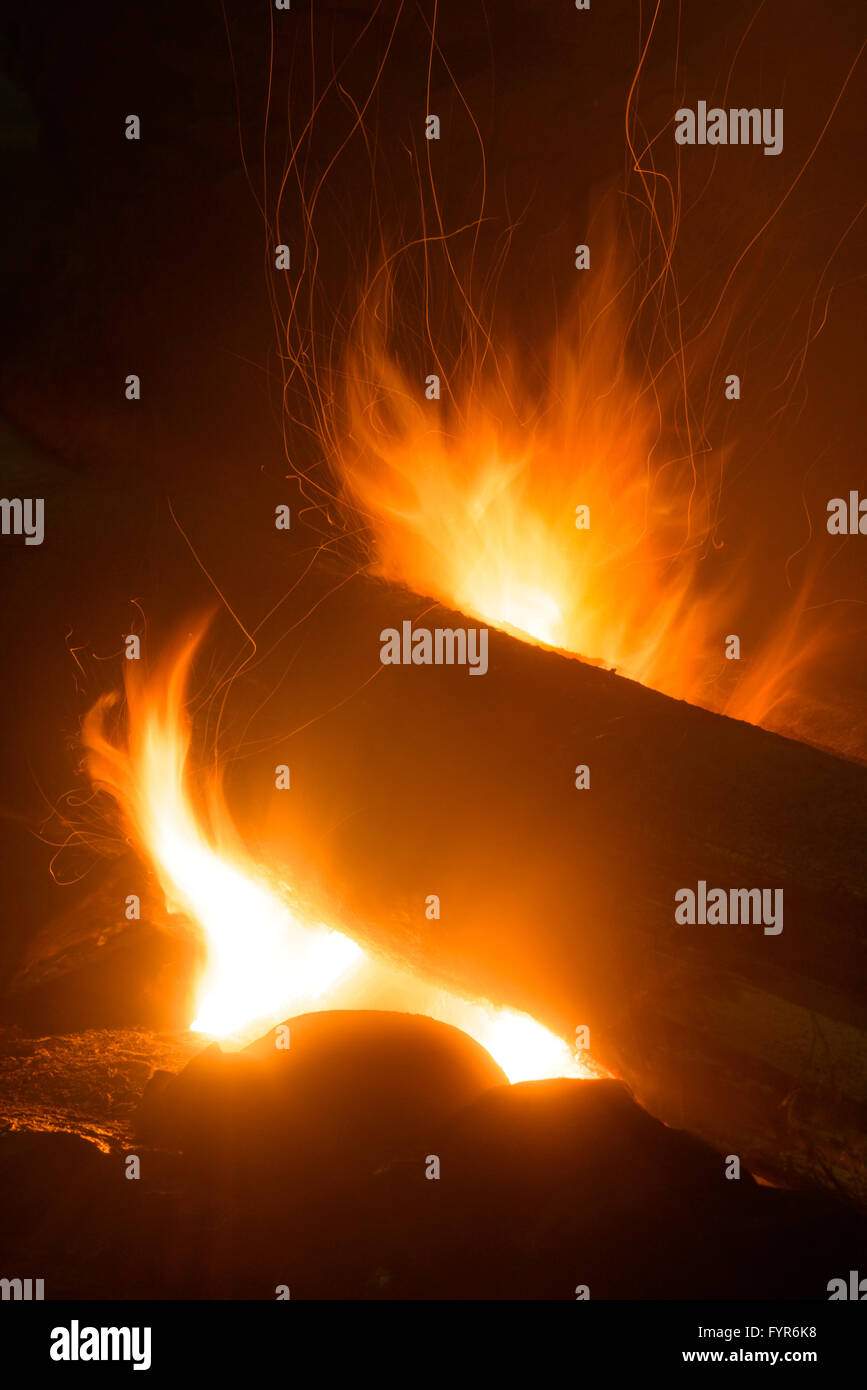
(576, 501)
(574, 507)
(265, 958)
(474, 499)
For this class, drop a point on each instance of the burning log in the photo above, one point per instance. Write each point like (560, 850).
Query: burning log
(546, 836)
(381, 1156)
(377, 1080)
(443, 814)
(342, 1128)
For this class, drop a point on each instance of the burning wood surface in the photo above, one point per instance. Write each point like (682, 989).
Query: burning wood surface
(562, 901)
(557, 905)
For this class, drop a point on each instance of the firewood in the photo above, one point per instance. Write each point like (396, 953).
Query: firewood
(411, 781)
(416, 782)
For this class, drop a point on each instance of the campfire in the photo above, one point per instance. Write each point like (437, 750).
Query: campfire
(461, 893)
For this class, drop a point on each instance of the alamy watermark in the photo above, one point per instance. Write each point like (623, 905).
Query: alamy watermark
(23, 516)
(855, 1288)
(719, 907)
(76, 1343)
(444, 646)
(741, 126)
(22, 1290)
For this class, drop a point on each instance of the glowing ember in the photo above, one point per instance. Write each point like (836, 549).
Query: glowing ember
(264, 961)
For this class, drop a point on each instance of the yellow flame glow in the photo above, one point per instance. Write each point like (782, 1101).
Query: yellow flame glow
(264, 960)
(575, 503)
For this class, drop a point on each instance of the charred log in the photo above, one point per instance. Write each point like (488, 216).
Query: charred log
(410, 780)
